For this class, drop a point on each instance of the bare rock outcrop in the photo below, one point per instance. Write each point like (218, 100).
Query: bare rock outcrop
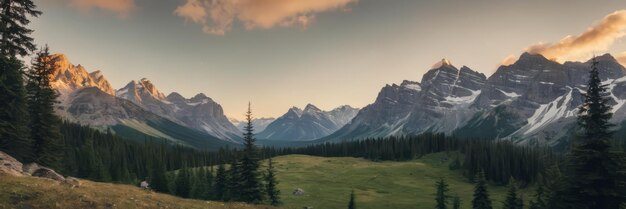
(9, 165)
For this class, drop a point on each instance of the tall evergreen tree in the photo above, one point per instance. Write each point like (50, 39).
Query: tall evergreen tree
(456, 202)
(273, 193)
(441, 197)
(183, 182)
(208, 178)
(234, 182)
(481, 196)
(220, 185)
(44, 123)
(159, 180)
(16, 38)
(251, 187)
(539, 201)
(595, 172)
(14, 131)
(352, 203)
(512, 201)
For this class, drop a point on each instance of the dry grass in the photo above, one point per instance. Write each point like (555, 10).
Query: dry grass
(31, 192)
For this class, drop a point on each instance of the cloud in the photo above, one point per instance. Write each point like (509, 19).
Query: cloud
(596, 39)
(122, 8)
(217, 16)
(508, 60)
(621, 58)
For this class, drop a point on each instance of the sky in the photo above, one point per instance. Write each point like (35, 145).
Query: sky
(283, 53)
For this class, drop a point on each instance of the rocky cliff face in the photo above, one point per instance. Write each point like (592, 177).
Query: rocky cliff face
(202, 113)
(68, 77)
(440, 102)
(532, 101)
(88, 98)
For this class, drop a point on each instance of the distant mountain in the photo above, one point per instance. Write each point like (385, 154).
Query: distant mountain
(532, 101)
(259, 124)
(199, 112)
(88, 99)
(437, 103)
(308, 124)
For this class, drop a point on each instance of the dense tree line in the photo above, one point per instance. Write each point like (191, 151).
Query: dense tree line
(499, 160)
(103, 156)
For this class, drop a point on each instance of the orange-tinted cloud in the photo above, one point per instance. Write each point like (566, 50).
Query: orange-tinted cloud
(122, 8)
(508, 60)
(596, 39)
(217, 16)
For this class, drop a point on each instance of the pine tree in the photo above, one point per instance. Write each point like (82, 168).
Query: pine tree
(159, 180)
(273, 192)
(352, 203)
(481, 196)
(512, 201)
(539, 202)
(595, 173)
(456, 202)
(44, 123)
(442, 194)
(209, 183)
(14, 132)
(234, 182)
(219, 188)
(183, 182)
(16, 38)
(251, 188)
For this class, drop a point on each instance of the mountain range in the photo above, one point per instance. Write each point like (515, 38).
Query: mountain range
(308, 124)
(259, 124)
(532, 101)
(139, 110)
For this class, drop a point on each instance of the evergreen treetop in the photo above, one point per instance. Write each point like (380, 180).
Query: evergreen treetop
(16, 38)
(481, 196)
(441, 197)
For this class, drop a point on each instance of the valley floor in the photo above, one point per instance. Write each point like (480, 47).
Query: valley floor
(327, 182)
(31, 192)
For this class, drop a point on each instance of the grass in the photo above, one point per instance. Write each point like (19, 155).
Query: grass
(31, 192)
(327, 182)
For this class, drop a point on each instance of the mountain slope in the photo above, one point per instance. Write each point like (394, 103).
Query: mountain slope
(308, 124)
(440, 102)
(532, 101)
(84, 101)
(33, 192)
(199, 112)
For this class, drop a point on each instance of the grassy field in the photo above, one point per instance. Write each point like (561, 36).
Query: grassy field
(30, 192)
(378, 185)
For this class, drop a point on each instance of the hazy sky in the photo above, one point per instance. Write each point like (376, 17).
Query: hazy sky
(283, 53)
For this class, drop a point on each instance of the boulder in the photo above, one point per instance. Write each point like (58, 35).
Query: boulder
(10, 165)
(298, 192)
(72, 182)
(48, 173)
(31, 168)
